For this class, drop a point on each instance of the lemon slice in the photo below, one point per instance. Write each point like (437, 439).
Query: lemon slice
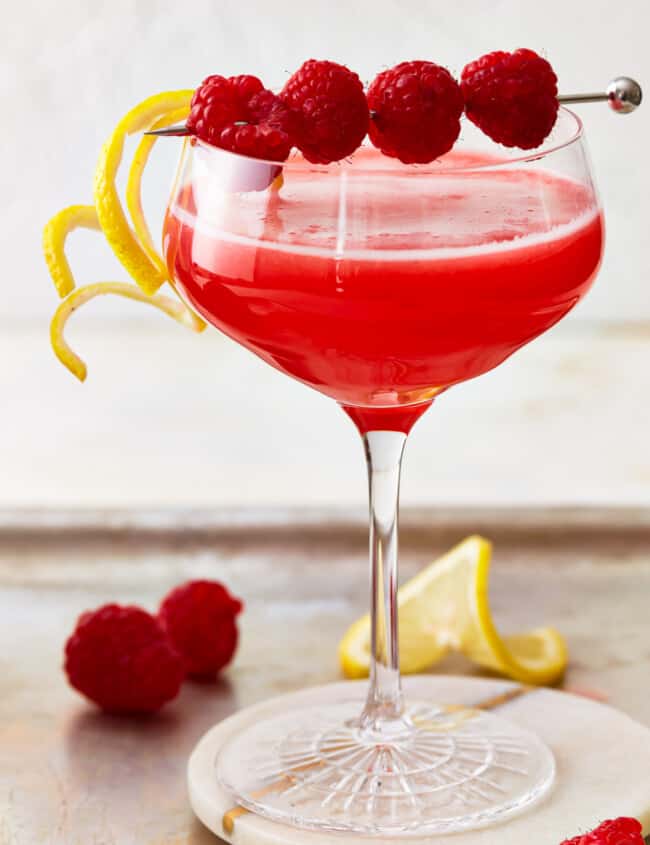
(62, 349)
(54, 237)
(134, 256)
(446, 607)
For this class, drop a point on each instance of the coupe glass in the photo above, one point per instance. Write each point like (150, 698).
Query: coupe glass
(381, 285)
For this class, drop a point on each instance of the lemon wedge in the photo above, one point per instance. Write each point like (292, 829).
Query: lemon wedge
(174, 308)
(445, 607)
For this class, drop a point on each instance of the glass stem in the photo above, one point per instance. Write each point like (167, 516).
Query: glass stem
(383, 713)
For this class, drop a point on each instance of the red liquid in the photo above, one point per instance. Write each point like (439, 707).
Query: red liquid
(423, 282)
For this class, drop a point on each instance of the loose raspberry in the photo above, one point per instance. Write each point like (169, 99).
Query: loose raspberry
(120, 658)
(239, 114)
(621, 831)
(512, 97)
(331, 107)
(199, 618)
(415, 111)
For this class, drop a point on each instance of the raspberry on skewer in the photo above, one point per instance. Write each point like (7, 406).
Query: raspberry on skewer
(241, 115)
(416, 109)
(511, 97)
(330, 108)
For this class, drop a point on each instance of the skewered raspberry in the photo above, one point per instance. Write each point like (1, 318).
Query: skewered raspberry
(240, 115)
(331, 110)
(512, 97)
(415, 109)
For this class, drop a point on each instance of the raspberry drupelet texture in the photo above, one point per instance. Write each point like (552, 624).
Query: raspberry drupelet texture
(200, 620)
(621, 831)
(331, 109)
(512, 97)
(239, 114)
(120, 658)
(415, 111)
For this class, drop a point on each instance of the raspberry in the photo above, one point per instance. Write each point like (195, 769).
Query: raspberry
(239, 114)
(415, 111)
(120, 658)
(621, 831)
(512, 97)
(331, 110)
(199, 618)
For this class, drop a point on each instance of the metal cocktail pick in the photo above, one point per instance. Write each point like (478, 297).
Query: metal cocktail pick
(623, 96)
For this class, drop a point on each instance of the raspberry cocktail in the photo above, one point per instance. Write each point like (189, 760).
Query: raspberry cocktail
(375, 301)
(379, 273)
(381, 284)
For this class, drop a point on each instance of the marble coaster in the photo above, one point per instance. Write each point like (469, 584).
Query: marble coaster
(602, 756)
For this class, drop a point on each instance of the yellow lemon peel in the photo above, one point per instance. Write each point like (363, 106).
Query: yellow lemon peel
(134, 186)
(78, 297)
(133, 246)
(55, 235)
(124, 242)
(445, 607)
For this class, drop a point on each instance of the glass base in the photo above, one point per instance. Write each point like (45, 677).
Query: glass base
(442, 770)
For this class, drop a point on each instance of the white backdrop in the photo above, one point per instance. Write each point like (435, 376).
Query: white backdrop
(174, 419)
(69, 69)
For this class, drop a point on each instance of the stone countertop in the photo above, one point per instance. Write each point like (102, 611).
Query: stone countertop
(70, 774)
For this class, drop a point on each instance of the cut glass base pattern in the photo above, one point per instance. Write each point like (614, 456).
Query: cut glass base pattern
(450, 770)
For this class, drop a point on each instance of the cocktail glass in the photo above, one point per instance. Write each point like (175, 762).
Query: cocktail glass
(381, 285)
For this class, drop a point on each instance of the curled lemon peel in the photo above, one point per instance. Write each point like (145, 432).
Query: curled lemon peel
(124, 242)
(131, 242)
(134, 186)
(55, 235)
(446, 607)
(134, 196)
(80, 296)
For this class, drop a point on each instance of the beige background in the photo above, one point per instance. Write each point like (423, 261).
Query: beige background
(167, 418)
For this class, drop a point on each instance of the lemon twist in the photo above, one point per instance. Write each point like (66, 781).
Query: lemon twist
(131, 242)
(173, 307)
(134, 187)
(119, 234)
(445, 607)
(54, 237)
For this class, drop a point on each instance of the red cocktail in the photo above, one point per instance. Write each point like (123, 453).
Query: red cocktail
(381, 284)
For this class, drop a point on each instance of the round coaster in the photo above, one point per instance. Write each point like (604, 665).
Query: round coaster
(602, 756)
